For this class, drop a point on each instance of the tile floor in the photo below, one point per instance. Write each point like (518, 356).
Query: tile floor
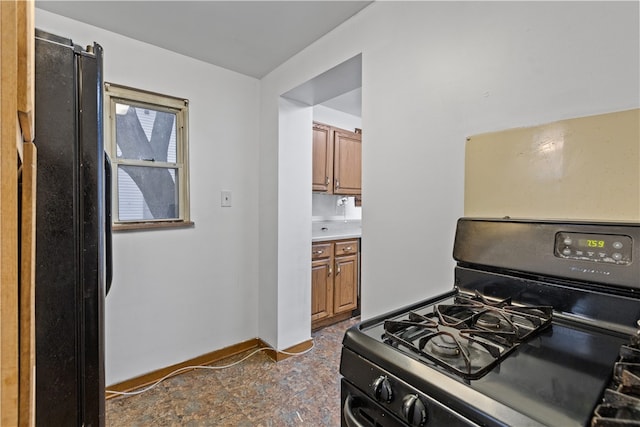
(298, 391)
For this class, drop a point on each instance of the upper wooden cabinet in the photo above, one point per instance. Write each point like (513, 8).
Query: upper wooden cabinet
(347, 162)
(322, 158)
(337, 160)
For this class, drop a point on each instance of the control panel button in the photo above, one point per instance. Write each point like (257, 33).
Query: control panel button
(382, 389)
(414, 411)
(594, 247)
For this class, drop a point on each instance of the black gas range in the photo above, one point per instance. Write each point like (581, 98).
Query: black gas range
(540, 329)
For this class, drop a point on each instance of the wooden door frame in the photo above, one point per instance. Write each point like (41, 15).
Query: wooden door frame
(17, 226)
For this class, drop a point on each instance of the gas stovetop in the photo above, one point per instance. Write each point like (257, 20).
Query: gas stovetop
(553, 374)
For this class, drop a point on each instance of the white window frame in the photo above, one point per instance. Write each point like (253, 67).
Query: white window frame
(113, 94)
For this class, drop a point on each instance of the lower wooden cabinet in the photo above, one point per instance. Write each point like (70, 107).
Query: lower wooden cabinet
(321, 289)
(334, 281)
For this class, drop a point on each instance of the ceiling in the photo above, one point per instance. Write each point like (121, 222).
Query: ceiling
(250, 37)
(339, 88)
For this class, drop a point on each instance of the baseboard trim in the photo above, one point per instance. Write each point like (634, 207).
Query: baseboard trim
(281, 355)
(203, 360)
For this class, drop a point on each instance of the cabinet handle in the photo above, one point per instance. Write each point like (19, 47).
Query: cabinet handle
(337, 269)
(326, 181)
(329, 275)
(347, 249)
(337, 183)
(318, 252)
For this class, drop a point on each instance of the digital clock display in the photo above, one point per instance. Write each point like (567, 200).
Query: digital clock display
(592, 247)
(591, 243)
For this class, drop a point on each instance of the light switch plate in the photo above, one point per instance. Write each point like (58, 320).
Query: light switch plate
(225, 199)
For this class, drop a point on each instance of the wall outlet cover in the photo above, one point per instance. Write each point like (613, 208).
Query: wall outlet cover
(225, 199)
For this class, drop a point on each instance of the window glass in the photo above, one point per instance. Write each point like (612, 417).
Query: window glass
(147, 139)
(145, 133)
(147, 193)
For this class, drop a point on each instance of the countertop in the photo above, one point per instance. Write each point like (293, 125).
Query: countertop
(335, 230)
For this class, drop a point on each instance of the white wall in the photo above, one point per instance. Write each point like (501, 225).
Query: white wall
(294, 228)
(433, 74)
(181, 293)
(333, 117)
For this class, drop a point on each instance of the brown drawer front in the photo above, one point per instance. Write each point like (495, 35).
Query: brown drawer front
(320, 250)
(347, 247)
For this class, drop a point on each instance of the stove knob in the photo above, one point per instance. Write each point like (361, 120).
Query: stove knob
(414, 411)
(382, 389)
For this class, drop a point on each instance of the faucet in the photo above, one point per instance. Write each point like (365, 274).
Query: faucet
(343, 202)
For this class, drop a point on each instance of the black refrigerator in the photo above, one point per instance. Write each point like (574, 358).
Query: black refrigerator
(73, 233)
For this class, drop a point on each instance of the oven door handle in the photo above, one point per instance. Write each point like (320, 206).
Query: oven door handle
(349, 418)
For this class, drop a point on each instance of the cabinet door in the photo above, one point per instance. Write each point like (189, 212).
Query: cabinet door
(322, 158)
(346, 283)
(347, 166)
(321, 289)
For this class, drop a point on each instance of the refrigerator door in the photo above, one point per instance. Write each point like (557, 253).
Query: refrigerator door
(107, 224)
(70, 234)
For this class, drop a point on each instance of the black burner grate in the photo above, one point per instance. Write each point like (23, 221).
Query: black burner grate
(469, 337)
(620, 406)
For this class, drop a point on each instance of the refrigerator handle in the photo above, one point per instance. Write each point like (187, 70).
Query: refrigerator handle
(107, 220)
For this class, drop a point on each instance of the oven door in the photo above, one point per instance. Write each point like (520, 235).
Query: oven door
(359, 410)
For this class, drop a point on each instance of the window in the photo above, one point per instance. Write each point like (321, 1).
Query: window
(147, 140)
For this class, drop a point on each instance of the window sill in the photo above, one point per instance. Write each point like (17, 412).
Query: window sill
(152, 225)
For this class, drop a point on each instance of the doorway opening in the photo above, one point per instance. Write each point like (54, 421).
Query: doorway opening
(333, 101)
